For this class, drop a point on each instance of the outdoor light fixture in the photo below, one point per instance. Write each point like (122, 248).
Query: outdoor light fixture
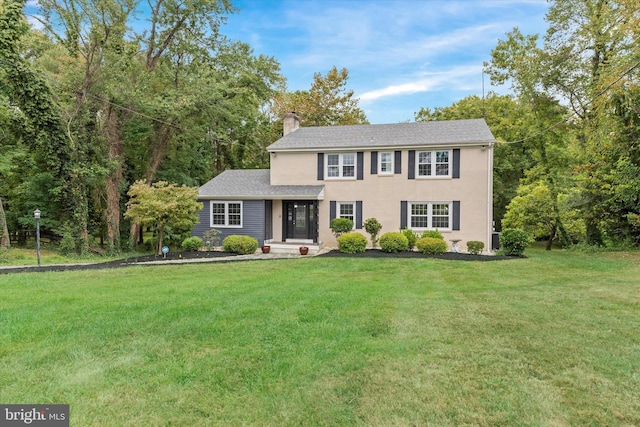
(36, 215)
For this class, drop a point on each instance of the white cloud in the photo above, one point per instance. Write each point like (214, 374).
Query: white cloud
(457, 77)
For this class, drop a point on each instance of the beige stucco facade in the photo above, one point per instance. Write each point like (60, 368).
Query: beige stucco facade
(381, 194)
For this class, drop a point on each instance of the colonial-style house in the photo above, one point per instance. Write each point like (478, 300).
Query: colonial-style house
(422, 176)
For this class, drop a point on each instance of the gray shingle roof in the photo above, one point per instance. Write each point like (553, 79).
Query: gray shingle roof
(255, 184)
(448, 132)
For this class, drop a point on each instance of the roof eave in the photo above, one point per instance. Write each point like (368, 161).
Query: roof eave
(382, 147)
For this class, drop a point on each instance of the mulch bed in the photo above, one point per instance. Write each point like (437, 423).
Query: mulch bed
(125, 262)
(176, 256)
(453, 256)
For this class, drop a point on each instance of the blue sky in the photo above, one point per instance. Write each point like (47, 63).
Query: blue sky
(401, 54)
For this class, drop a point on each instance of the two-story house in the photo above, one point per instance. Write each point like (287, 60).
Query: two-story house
(426, 175)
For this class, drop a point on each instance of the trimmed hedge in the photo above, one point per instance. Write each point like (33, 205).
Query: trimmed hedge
(431, 245)
(435, 234)
(475, 247)
(352, 243)
(514, 241)
(241, 245)
(393, 241)
(191, 243)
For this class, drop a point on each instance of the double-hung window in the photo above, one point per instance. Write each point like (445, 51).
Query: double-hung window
(347, 210)
(226, 214)
(430, 215)
(385, 163)
(434, 163)
(341, 165)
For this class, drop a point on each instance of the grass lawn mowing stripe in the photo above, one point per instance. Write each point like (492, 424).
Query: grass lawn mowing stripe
(547, 340)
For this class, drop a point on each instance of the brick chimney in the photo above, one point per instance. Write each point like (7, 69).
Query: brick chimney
(291, 122)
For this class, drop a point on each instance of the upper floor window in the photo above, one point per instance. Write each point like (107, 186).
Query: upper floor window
(226, 214)
(434, 163)
(385, 163)
(342, 165)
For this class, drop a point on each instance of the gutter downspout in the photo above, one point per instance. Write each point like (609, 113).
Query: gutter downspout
(490, 197)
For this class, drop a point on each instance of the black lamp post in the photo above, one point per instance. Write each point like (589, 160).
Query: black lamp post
(36, 214)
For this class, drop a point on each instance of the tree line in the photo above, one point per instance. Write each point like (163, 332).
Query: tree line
(567, 165)
(91, 105)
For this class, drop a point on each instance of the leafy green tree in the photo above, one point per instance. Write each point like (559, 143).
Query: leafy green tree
(327, 103)
(56, 155)
(534, 210)
(588, 47)
(509, 120)
(161, 205)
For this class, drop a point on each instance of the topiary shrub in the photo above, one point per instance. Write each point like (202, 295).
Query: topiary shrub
(339, 226)
(431, 245)
(352, 243)
(475, 247)
(514, 241)
(191, 244)
(434, 234)
(373, 227)
(242, 245)
(411, 237)
(393, 241)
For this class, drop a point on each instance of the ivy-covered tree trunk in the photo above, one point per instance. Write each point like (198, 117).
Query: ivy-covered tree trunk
(115, 153)
(4, 231)
(55, 153)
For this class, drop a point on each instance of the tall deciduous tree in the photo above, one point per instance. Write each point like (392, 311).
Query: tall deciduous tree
(60, 162)
(579, 65)
(327, 103)
(509, 120)
(174, 101)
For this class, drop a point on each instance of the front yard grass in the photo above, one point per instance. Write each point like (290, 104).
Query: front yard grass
(548, 340)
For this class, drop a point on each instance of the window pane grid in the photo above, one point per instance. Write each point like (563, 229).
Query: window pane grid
(346, 211)
(419, 215)
(226, 214)
(430, 215)
(433, 163)
(341, 165)
(386, 163)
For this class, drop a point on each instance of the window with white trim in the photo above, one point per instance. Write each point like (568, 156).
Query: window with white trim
(434, 164)
(226, 214)
(430, 215)
(347, 210)
(385, 163)
(341, 165)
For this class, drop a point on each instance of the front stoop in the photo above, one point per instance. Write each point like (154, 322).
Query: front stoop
(293, 248)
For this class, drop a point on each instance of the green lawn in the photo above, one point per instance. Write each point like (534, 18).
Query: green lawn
(552, 340)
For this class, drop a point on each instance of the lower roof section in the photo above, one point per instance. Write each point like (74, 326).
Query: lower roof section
(255, 184)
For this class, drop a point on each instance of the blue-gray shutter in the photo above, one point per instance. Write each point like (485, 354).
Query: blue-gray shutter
(456, 163)
(412, 164)
(359, 215)
(397, 167)
(360, 164)
(403, 214)
(374, 162)
(332, 210)
(456, 215)
(320, 166)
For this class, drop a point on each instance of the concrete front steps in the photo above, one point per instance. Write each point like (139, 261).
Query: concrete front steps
(293, 248)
